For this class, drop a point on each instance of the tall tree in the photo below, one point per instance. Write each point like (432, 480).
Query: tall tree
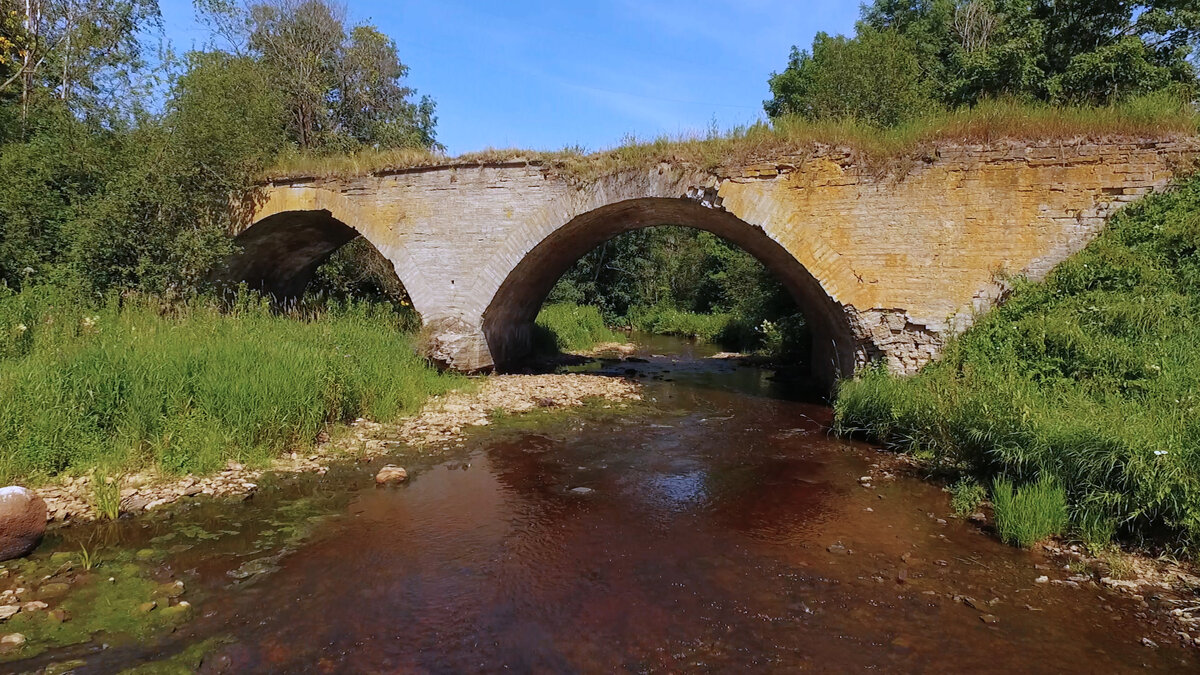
(343, 84)
(69, 49)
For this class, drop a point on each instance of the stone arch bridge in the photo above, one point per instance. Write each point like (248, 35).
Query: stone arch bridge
(886, 264)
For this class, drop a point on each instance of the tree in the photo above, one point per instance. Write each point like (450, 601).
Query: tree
(343, 86)
(70, 49)
(874, 77)
(1060, 51)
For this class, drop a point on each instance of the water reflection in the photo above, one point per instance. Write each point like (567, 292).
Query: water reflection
(721, 529)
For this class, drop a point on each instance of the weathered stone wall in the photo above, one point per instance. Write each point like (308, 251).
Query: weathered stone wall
(889, 260)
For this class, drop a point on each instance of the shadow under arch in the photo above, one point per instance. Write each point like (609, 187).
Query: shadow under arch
(280, 253)
(508, 319)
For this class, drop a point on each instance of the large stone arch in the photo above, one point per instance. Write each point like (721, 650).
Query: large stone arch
(508, 319)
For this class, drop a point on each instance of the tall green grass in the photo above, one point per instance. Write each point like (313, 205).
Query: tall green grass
(132, 382)
(1091, 377)
(1031, 513)
(569, 327)
(663, 320)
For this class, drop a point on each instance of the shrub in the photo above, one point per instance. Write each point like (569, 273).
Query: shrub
(966, 496)
(1030, 513)
(661, 320)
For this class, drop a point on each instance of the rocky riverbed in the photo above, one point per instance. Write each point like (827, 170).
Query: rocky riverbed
(439, 424)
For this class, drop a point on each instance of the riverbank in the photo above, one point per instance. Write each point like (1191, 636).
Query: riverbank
(1087, 381)
(439, 426)
(135, 384)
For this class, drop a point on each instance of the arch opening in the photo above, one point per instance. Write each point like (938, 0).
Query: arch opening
(508, 321)
(288, 253)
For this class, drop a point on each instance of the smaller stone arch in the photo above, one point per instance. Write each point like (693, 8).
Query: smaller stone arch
(508, 320)
(289, 235)
(280, 253)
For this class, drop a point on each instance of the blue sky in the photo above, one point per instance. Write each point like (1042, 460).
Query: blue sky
(546, 75)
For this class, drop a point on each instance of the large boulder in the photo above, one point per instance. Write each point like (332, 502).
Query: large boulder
(22, 521)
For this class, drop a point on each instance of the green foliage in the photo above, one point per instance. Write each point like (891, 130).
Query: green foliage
(965, 496)
(1091, 376)
(662, 320)
(907, 55)
(1030, 513)
(118, 176)
(568, 327)
(341, 84)
(188, 386)
(106, 494)
(874, 78)
(681, 281)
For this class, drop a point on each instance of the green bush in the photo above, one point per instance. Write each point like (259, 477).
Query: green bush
(1030, 513)
(1092, 376)
(966, 496)
(568, 327)
(135, 382)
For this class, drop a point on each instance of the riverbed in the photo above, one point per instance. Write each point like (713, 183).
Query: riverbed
(715, 526)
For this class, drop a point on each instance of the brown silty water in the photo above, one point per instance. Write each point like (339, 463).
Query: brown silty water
(717, 528)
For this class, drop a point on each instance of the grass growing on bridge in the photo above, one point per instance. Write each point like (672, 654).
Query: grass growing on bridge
(1151, 116)
(1091, 379)
(126, 385)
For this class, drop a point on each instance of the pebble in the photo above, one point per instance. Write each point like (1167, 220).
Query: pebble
(8, 611)
(582, 490)
(12, 640)
(1041, 580)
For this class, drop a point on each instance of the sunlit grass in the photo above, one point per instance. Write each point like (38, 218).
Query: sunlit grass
(569, 327)
(1030, 513)
(1151, 116)
(133, 383)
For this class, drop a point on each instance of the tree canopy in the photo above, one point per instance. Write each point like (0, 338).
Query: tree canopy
(118, 168)
(908, 56)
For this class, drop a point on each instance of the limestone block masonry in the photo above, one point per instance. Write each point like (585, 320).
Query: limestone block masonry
(886, 263)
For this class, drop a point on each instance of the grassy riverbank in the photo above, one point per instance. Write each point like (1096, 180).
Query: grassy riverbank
(134, 383)
(1090, 379)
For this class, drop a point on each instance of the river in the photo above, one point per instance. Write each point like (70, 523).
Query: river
(716, 527)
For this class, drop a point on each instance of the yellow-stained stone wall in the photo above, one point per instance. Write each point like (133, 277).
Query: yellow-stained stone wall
(900, 258)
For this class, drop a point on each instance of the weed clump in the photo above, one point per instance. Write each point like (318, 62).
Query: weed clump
(1149, 116)
(1030, 513)
(134, 382)
(966, 496)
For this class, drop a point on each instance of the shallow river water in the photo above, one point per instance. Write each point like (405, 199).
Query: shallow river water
(718, 527)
